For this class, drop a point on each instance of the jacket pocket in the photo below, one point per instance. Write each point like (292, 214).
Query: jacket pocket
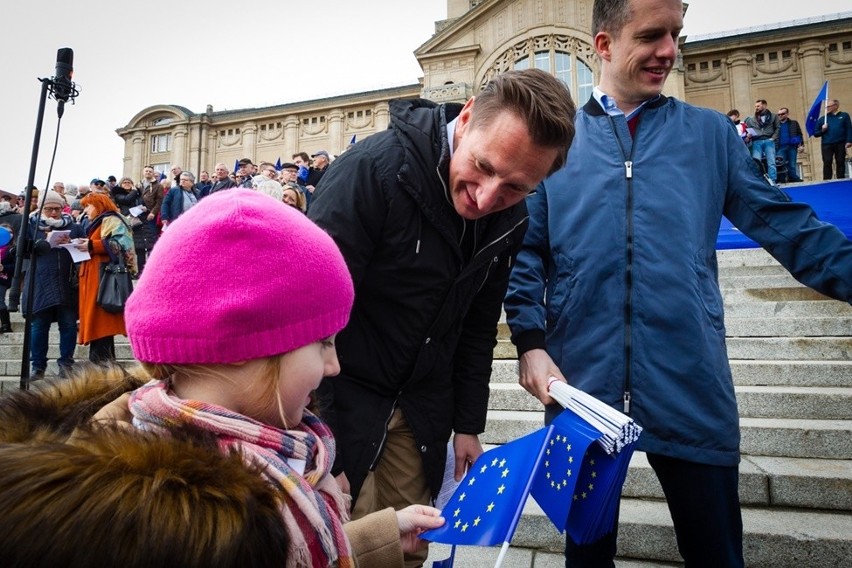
(708, 292)
(559, 288)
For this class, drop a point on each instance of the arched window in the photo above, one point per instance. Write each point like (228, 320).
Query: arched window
(568, 58)
(566, 67)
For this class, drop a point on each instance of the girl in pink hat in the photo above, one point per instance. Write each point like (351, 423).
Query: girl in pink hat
(208, 454)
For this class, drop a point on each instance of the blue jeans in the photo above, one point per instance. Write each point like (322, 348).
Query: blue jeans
(790, 153)
(66, 317)
(766, 147)
(705, 507)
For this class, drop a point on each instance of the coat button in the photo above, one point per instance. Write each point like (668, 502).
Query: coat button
(422, 449)
(428, 340)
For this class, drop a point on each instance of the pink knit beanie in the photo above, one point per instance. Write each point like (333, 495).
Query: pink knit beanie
(239, 276)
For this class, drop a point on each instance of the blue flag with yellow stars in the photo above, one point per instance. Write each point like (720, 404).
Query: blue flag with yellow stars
(816, 109)
(579, 485)
(487, 505)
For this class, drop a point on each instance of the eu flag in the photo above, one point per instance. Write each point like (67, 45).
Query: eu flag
(486, 507)
(816, 108)
(236, 166)
(579, 487)
(278, 166)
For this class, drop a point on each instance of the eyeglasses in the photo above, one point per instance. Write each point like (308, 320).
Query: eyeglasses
(782, 114)
(52, 209)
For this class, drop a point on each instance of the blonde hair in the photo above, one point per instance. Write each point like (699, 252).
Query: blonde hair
(258, 404)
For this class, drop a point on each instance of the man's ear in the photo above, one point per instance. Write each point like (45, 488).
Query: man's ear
(463, 121)
(603, 45)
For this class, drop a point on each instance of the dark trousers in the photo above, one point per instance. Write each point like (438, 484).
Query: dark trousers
(834, 154)
(66, 319)
(705, 507)
(704, 503)
(102, 349)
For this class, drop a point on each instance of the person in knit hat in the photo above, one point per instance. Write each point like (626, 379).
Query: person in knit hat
(54, 294)
(226, 368)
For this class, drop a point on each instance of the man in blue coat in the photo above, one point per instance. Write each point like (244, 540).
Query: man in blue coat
(835, 129)
(615, 288)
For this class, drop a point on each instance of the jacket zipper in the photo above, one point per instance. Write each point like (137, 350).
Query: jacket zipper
(628, 274)
(384, 439)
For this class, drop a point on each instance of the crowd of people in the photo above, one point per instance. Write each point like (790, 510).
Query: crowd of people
(594, 227)
(775, 140)
(128, 216)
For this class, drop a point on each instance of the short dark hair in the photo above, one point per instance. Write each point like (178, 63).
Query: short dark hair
(733, 112)
(762, 101)
(303, 155)
(610, 16)
(540, 99)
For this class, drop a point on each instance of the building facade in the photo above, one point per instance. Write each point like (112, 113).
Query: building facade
(785, 64)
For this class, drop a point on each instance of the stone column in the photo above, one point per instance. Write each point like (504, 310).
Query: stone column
(249, 132)
(335, 131)
(179, 153)
(812, 57)
(291, 136)
(739, 63)
(137, 155)
(381, 116)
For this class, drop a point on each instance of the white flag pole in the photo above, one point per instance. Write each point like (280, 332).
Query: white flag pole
(503, 550)
(825, 120)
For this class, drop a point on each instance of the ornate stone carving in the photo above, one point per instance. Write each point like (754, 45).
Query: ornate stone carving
(313, 128)
(354, 121)
(448, 93)
(529, 46)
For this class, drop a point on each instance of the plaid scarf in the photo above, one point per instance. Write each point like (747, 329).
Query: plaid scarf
(313, 507)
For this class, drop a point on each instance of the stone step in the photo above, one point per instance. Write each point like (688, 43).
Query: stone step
(745, 372)
(789, 327)
(787, 294)
(787, 437)
(13, 352)
(791, 348)
(737, 258)
(772, 537)
(751, 281)
(781, 348)
(800, 308)
(792, 373)
(517, 557)
(835, 326)
(817, 403)
(767, 482)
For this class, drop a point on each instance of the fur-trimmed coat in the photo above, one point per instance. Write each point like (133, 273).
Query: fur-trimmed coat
(80, 492)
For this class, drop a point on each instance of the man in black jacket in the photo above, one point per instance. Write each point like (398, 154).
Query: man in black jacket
(429, 215)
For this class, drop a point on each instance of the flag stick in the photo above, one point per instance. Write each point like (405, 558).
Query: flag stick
(503, 550)
(825, 119)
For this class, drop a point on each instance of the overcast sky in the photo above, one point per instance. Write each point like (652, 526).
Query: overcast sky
(251, 53)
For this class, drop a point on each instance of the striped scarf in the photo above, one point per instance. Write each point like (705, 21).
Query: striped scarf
(313, 508)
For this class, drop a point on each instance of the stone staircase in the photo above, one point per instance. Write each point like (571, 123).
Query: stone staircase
(791, 354)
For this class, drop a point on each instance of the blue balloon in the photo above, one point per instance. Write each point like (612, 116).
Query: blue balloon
(5, 236)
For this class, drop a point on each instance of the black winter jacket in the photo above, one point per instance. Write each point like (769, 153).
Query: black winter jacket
(423, 328)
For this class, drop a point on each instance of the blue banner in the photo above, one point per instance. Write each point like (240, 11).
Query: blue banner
(830, 200)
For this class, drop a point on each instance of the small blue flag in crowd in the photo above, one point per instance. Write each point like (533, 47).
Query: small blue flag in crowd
(816, 110)
(278, 166)
(236, 166)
